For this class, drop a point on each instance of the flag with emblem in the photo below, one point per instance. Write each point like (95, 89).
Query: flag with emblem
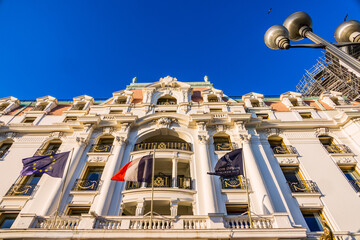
(53, 165)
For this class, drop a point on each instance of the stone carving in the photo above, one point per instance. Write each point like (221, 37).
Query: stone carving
(97, 159)
(108, 130)
(56, 134)
(201, 126)
(10, 135)
(134, 80)
(206, 78)
(81, 140)
(165, 122)
(240, 125)
(168, 82)
(345, 160)
(246, 138)
(288, 161)
(203, 139)
(221, 128)
(321, 131)
(121, 139)
(273, 131)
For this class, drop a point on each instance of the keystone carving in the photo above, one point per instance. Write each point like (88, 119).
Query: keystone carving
(56, 134)
(321, 131)
(165, 122)
(107, 130)
(273, 131)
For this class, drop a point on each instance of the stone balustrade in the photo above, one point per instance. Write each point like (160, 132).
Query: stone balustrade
(58, 223)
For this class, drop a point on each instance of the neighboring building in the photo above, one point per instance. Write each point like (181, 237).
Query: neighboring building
(300, 154)
(331, 74)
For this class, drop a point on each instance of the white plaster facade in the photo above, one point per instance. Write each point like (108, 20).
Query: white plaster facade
(188, 123)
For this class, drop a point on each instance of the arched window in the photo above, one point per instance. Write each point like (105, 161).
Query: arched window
(4, 147)
(222, 142)
(49, 148)
(167, 100)
(104, 144)
(278, 146)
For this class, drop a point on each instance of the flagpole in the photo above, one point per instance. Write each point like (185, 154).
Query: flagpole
(152, 189)
(63, 186)
(247, 189)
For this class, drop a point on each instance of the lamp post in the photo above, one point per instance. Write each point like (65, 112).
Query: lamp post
(298, 26)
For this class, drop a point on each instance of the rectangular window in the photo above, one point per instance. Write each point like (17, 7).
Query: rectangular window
(52, 148)
(77, 210)
(116, 111)
(306, 115)
(91, 179)
(352, 176)
(29, 120)
(4, 148)
(262, 115)
(216, 110)
(70, 119)
(236, 209)
(314, 221)
(7, 220)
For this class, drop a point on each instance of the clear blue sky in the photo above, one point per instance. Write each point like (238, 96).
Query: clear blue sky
(66, 48)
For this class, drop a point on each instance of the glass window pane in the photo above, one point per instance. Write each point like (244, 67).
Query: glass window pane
(313, 221)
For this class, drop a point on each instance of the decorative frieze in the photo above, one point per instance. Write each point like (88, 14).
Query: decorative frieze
(97, 159)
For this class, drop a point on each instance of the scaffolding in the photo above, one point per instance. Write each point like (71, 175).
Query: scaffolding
(329, 74)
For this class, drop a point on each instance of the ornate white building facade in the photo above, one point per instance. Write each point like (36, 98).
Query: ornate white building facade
(301, 161)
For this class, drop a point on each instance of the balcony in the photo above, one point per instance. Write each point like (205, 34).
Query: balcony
(162, 145)
(232, 182)
(340, 148)
(355, 184)
(282, 149)
(304, 186)
(100, 148)
(223, 146)
(86, 185)
(163, 181)
(21, 190)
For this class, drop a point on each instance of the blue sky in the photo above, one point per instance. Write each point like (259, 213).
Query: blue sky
(68, 48)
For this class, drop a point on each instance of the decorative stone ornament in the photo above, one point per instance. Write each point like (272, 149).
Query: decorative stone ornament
(165, 122)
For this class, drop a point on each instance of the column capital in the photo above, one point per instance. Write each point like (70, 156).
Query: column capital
(245, 138)
(203, 139)
(82, 141)
(120, 140)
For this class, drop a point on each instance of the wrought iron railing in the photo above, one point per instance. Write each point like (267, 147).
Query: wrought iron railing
(340, 148)
(86, 185)
(45, 151)
(184, 182)
(236, 182)
(163, 145)
(284, 150)
(223, 146)
(171, 102)
(21, 190)
(304, 186)
(355, 184)
(133, 185)
(161, 181)
(101, 148)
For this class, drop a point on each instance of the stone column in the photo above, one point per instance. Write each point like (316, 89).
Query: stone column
(174, 173)
(174, 207)
(258, 187)
(140, 207)
(74, 161)
(205, 186)
(103, 200)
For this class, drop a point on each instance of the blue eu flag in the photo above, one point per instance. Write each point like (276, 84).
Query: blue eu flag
(53, 165)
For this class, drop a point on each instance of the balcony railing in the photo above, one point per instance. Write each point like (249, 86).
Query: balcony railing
(304, 186)
(184, 182)
(45, 151)
(223, 146)
(355, 184)
(170, 102)
(337, 148)
(161, 181)
(232, 182)
(86, 185)
(284, 150)
(21, 190)
(101, 148)
(162, 145)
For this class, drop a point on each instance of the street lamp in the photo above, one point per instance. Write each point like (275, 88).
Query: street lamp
(298, 26)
